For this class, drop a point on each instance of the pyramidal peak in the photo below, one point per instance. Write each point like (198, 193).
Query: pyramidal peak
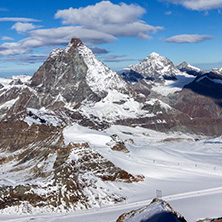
(154, 54)
(75, 43)
(156, 67)
(75, 73)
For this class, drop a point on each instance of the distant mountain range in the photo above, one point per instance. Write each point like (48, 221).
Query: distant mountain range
(156, 67)
(74, 87)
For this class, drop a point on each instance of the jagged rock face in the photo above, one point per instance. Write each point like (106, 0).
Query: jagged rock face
(155, 67)
(192, 70)
(187, 112)
(50, 175)
(16, 82)
(157, 210)
(63, 74)
(66, 78)
(17, 135)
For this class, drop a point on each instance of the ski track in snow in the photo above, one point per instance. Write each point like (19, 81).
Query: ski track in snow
(123, 207)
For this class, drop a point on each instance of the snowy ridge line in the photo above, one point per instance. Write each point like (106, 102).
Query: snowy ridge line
(120, 206)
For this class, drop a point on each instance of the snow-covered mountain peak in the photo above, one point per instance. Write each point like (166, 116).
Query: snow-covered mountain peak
(74, 44)
(189, 69)
(217, 71)
(156, 67)
(154, 54)
(183, 65)
(76, 74)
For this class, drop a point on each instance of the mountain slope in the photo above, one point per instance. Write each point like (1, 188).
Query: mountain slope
(155, 67)
(73, 74)
(43, 173)
(189, 69)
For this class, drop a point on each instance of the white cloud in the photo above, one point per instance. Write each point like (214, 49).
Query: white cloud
(23, 27)
(63, 35)
(101, 13)
(114, 19)
(95, 24)
(198, 4)
(7, 38)
(188, 38)
(13, 48)
(15, 19)
(54, 37)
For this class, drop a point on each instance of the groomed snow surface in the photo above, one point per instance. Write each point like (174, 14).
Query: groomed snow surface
(188, 173)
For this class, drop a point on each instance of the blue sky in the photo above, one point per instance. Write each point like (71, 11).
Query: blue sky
(119, 32)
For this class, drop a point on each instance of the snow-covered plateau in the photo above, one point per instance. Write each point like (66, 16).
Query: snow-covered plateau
(186, 169)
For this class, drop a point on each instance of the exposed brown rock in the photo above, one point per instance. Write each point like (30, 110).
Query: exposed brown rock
(120, 147)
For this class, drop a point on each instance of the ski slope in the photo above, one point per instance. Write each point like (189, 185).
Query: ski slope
(186, 168)
(110, 213)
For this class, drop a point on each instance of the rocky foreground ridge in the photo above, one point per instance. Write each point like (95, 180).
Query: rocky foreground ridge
(158, 210)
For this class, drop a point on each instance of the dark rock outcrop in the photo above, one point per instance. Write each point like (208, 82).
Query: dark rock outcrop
(157, 210)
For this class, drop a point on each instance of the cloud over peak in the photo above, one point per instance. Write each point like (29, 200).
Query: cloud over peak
(54, 37)
(101, 13)
(114, 19)
(185, 38)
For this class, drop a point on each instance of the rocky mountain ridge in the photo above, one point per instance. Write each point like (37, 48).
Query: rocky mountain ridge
(189, 69)
(154, 67)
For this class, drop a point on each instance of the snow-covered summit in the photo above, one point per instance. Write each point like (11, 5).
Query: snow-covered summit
(189, 69)
(75, 74)
(217, 71)
(156, 67)
(154, 54)
(76, 68)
